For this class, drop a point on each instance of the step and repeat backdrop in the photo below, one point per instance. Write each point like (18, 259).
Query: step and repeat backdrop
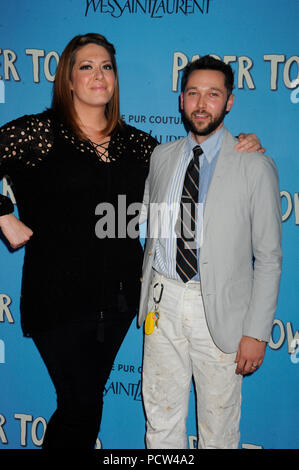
(154, 40)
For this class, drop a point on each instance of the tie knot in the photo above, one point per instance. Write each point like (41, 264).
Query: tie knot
(197, 150)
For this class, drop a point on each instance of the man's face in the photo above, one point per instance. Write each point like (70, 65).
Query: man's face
(205, 102)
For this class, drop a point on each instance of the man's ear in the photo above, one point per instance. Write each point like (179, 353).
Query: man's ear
(182, 100)
(230, 103)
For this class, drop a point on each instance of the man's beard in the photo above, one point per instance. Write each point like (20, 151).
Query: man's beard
(204, 130)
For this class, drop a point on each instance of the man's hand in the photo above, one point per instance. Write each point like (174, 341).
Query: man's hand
(250, 355)
(249, 143)
(16, 233)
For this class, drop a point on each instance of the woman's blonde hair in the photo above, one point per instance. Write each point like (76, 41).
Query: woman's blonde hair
(62, 101)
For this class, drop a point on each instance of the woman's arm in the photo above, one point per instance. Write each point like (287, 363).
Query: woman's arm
(17, 148)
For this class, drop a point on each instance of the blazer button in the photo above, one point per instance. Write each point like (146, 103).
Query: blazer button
(141, 279)
(150, 253)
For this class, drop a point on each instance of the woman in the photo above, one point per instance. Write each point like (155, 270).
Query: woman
(79, 291)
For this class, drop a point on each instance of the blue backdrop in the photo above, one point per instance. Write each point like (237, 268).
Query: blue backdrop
(154, 40)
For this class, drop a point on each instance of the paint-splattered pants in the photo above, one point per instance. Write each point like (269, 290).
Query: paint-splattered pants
(179, 348)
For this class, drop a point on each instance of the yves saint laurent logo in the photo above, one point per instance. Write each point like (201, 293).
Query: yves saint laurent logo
(151, 8)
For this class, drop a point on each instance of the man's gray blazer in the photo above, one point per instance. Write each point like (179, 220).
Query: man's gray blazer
(240, 258)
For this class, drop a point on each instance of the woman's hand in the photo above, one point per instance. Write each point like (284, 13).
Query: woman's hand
(16, 233)
(249, 143)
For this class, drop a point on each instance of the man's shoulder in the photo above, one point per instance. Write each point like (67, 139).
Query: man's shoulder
(248, 159)
(170, 147)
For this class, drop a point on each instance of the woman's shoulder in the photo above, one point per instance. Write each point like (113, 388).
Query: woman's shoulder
(40, 119)
(132, 133)
(27, 136)
(132, 143)
(130, 137)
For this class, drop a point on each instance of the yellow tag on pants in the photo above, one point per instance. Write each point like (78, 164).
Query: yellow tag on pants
(149, 324)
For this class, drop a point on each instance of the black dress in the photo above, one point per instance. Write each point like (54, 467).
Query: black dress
(72, 279)
(58, 182)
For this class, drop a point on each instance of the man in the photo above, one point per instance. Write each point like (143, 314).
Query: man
(211, 281)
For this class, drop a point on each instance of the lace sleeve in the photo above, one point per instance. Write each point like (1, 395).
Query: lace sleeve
(24, 141)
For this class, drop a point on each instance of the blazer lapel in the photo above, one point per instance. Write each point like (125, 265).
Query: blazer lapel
(167, 170)
(223, 165)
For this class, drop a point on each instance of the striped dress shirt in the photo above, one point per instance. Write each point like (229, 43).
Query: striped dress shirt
(165, 255)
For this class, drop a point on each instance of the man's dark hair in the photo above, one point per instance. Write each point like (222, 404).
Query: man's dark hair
(210, 63)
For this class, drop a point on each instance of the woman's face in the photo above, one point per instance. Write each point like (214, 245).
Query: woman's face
(93, 78)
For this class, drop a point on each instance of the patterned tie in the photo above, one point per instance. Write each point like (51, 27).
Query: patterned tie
(186, 258)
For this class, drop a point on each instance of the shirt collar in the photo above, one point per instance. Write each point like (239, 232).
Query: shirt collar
(210, 146)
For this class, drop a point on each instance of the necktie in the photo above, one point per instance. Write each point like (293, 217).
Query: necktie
(186, 258)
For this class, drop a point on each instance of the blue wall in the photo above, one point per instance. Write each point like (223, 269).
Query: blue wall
(260, 38)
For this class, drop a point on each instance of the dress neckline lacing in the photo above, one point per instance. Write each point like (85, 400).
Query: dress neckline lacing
(101, 150)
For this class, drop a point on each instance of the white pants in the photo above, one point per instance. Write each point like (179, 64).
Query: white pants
(179, 348)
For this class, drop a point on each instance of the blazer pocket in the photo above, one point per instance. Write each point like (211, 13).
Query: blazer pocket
(237, 295)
